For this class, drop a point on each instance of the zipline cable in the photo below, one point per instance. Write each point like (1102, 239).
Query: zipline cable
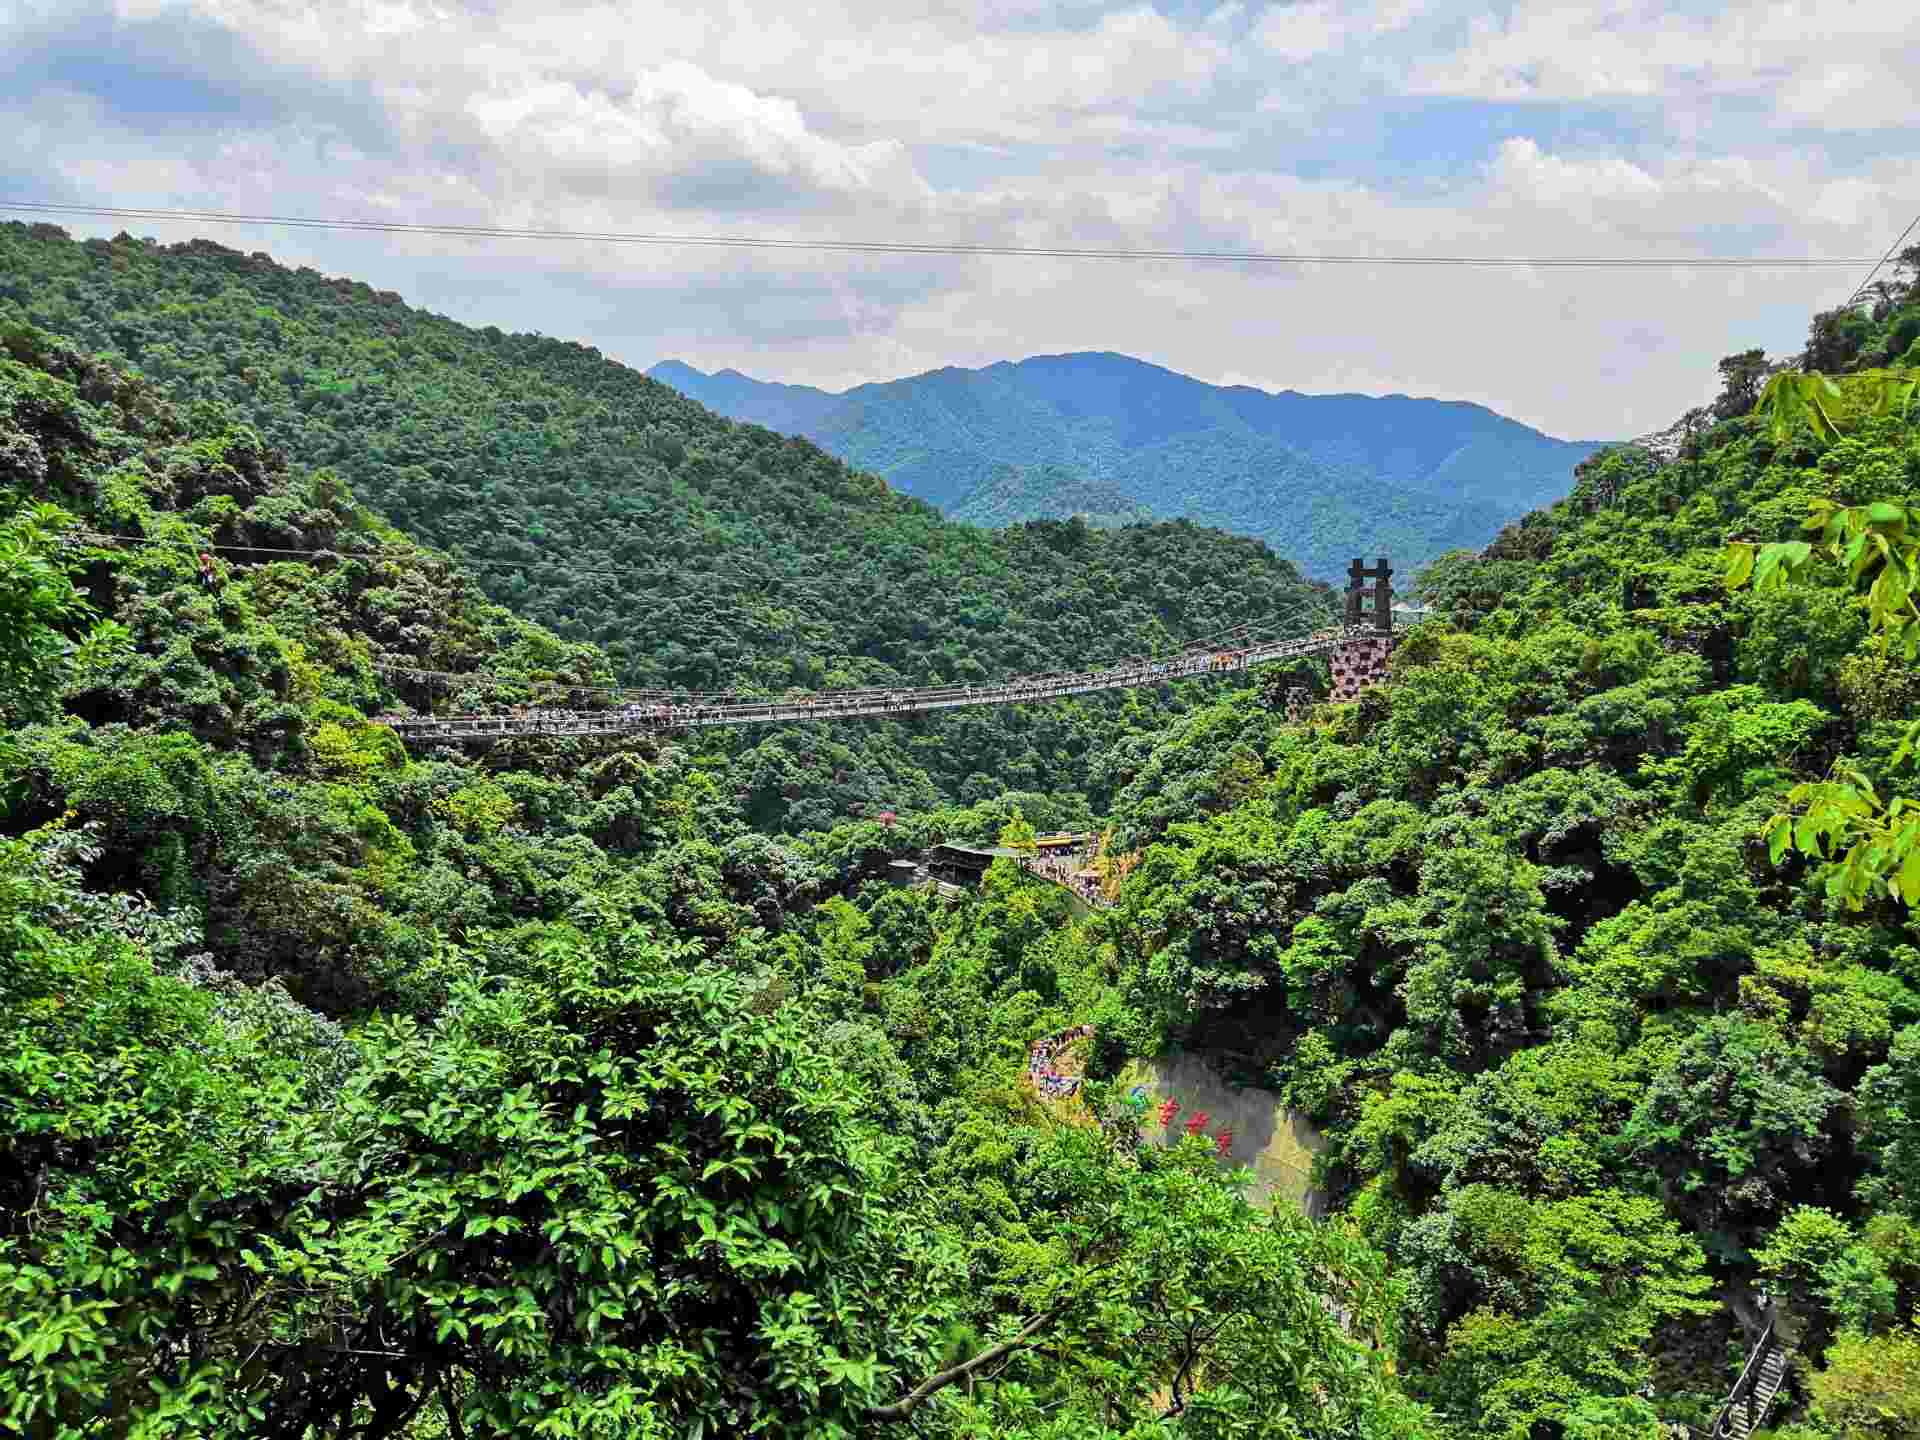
(936, 248)
(1860, 290)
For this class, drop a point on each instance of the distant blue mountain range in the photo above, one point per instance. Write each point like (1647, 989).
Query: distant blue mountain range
(1321, 478)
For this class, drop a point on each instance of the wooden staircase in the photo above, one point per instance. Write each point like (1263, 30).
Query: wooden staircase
(1752, 1394)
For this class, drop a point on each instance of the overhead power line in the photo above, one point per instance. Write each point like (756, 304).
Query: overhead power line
(946, 248)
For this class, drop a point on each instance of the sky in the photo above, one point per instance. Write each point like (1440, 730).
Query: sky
(1659, 129)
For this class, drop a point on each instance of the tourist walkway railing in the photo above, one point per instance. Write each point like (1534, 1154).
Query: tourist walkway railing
(662, 717)
(1752, 1395)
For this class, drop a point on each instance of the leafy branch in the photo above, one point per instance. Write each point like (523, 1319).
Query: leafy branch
(1842, 818)
(1875, 540)
(904, 1407)
(1821, 402)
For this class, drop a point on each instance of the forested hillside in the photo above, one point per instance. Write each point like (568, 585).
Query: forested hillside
(352, 1093)
(1597, 1068)
(1321, 478)
(695, 552)
(347, 1093)
(1012, 495)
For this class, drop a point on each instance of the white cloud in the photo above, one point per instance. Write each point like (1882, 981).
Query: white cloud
(1296, 30)
(1301, 31)
(1838, 66)
(1868, 93)
(1324, 126)
(678, 128)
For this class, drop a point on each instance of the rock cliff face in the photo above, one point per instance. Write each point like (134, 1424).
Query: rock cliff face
(1277, 1142)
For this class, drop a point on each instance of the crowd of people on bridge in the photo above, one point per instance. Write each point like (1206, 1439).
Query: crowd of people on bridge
(718, 709)
(1071, 870)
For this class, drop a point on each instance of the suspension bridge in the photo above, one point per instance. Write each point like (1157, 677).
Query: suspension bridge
(1358, 650)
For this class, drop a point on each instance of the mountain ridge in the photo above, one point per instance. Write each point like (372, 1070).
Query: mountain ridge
(1448, 472)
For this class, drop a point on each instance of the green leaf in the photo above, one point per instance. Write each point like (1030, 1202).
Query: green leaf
(1904, 750)
(1889, 591)
(1909, 878)
(1765, 566)
(1739, 565)
(1858, 554)
(1779, 834)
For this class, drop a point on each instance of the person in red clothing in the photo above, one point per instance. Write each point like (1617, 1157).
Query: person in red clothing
(207, 578)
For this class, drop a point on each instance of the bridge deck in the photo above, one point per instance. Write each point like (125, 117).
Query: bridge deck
(658, 717)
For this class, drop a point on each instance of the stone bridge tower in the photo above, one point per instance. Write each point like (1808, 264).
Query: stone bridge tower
(1362, 659)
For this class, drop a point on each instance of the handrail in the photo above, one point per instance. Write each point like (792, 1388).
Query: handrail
(1030, 865)
(1720, 1426)
(829, 705)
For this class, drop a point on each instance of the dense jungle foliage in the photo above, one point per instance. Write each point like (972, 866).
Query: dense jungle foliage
(347, 1092)
(693, 551)
(1012, 494)
(1595, 1065)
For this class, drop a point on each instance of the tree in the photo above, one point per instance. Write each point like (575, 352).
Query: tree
(602, 1193)
(1889, 1098)
(1836, 337)
(1740, 377)
(145, 1142)
(38, 607)
(1842, 817)
(1733, 1119)
(1870, 1387)
(1827, 1275)
(1565, 1297)
(1448, 581)
(1017, 833)
(1481, 951)
(1162, 1293)
(612, 1191)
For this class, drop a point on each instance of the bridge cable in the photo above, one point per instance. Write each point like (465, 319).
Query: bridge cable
(1241, 635)
(1244, 632)
(422, 555)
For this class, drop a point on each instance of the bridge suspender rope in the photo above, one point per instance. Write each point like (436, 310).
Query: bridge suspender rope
(1362, 645)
